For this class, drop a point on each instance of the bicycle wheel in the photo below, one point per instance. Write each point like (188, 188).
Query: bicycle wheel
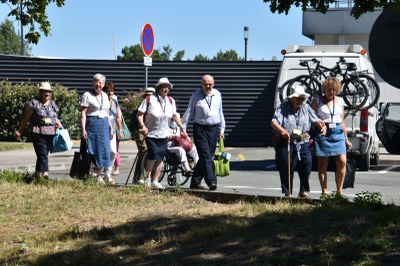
(164, 169)
(372, 88)
(310, 84)
(355, 94)
(177, 176)
(283, 90)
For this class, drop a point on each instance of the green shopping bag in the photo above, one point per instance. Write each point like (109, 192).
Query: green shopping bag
(221, 160)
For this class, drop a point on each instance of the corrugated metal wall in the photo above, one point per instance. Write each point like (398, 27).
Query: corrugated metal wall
(247, 87)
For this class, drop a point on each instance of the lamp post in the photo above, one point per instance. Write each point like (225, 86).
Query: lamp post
(246, 37)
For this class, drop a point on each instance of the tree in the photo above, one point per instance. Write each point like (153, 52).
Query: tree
(32, 13)
(230, 55)
(201, 57)
(9, 40)
(131, 53)
(179, 55)
(359, 6)
(135, 53)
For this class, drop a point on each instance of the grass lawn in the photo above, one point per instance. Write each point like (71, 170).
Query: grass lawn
(8, 146)
(83, 223)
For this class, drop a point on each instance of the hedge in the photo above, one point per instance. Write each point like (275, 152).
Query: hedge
(13, 99)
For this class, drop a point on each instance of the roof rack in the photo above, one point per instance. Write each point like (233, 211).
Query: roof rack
(350, 48)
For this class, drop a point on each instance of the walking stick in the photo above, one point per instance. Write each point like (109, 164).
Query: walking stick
(133, 165)
(134, 162)
(288, 155)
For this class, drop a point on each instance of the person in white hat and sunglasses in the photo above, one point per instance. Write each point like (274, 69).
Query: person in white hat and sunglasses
(291, 124)
(41, 113)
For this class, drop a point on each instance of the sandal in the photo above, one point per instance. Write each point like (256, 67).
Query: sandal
(116, 172)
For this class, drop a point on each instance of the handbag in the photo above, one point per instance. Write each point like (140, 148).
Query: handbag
(221, 160)
(185, 143)
(126, 133)
(350, 172)
(61, 141)
(80, 166)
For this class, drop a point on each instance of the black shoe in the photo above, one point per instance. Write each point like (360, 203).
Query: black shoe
(213, 186)
(197, 186)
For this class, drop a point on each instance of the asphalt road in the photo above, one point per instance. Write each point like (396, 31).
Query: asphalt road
(253, 172)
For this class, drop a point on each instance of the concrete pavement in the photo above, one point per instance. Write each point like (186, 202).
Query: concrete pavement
(24, 160)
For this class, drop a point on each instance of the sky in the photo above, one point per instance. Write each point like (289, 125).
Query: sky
(99, 29)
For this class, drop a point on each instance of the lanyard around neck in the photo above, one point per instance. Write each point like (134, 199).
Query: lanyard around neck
(208, 101)
(101, 104)
(165, 104)
(333, 109)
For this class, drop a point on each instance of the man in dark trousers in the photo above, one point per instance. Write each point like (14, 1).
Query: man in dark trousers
(205, 110)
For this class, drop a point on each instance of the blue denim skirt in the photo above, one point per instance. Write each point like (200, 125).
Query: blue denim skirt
(98, 131)
(332, 144)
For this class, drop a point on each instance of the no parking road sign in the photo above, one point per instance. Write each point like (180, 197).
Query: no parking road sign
(147, 39)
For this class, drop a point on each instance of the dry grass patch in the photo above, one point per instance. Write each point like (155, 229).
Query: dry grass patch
(72, 223)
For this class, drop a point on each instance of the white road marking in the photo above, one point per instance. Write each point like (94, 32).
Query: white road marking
(387, 169)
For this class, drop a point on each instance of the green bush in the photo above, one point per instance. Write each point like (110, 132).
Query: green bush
(129, 103)
(13, 99)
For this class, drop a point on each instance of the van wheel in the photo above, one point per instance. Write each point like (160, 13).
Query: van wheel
(375, 159)
(364, 161)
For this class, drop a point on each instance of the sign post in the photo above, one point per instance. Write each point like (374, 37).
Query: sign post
(147, 43)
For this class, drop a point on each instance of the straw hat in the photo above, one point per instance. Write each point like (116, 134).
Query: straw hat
(45, 86)
(149, 91)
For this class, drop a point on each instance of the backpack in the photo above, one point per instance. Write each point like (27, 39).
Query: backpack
(134, 125)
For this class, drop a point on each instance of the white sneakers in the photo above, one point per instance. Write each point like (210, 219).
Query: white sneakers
(152, 184)
(147, 182)
(157, 185)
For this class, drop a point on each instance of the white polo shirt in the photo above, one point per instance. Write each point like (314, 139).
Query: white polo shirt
(157, 115)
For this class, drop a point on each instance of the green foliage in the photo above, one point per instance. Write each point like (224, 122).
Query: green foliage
(9, 40)
(334, 199)
(13, 99)
(19, 177)
(368, 200)
(12, 176)
(32, 14)
(359, 6)
(179, 55)
(129, 104)
(135, 53)
(230, 55)
(201, 57)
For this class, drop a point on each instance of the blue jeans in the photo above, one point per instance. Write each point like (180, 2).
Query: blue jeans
(303, 166)
(205, 139)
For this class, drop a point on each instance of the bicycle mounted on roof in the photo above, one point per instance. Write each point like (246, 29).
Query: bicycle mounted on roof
(357, 86)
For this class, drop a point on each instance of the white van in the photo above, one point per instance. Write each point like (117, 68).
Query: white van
(360, 124)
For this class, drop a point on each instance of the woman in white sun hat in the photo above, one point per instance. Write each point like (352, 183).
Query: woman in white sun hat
(159, 111)
(291, 123)
(41, 113)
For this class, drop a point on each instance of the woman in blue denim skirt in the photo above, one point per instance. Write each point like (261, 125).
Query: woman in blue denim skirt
(334, 142)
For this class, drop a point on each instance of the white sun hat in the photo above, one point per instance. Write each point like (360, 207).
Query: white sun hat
(298, 91)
